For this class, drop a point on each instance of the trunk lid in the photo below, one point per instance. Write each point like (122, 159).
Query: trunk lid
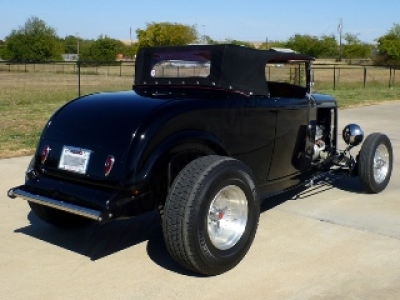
(90, 129)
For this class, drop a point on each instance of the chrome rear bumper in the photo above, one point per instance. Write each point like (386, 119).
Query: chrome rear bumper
(57, 204)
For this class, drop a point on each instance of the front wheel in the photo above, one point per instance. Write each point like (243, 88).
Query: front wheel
(375, 163)
(211, 215)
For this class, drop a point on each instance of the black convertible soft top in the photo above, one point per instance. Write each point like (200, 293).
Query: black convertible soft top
(232, 67)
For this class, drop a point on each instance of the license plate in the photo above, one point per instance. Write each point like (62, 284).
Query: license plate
(74, 159)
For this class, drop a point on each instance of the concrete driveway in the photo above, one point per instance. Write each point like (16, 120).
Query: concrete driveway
(332, 242)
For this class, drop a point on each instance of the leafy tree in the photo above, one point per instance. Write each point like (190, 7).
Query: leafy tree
(328, 46)
(71, 44)
(2, 45)
(354, 48)
(206, 39)
(75, 45)
(166, 34)
(103, 49)
(325, 46)
(272, 44)
(389, 46)
(303, 43)
(33, 41)
(131, 50)
(240, 43)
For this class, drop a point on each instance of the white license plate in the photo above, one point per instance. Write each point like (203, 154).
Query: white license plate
(74, 159)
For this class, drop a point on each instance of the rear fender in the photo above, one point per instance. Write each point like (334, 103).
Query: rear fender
(166, 161)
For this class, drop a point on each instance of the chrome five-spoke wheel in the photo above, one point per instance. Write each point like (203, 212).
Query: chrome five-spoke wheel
(227, 217)
(375, 162)
(211, 214)
(381, 163)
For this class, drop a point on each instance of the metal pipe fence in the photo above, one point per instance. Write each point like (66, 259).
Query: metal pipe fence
(336, 76)
(30, 92)
(83, 77)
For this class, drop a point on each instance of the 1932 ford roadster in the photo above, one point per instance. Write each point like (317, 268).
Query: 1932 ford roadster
(206, 132)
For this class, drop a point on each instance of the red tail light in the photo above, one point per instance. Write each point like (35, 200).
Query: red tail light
(109, 165)
(44, 154)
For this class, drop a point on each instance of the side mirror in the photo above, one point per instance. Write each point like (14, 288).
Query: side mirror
(353, 135)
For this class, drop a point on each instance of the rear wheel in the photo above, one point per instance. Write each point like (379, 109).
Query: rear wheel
(57, 217)
(211, 215)
(375, 162)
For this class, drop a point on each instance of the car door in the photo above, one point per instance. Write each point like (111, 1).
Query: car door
(249, 133)
(290, 157)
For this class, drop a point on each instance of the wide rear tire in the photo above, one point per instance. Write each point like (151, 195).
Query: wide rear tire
(211, 215)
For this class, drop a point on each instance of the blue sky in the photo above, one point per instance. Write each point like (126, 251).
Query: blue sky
(251, 20)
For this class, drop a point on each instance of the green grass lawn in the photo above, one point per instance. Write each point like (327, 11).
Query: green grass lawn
(350, 95)
(28, 100)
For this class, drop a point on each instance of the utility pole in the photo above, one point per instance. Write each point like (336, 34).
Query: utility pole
(77, 44)
(340, 30)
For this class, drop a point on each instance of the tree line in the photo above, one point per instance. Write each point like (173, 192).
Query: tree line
(37, 41)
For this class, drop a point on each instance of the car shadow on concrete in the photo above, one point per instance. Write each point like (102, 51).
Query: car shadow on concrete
(97, 241)
(329, 182)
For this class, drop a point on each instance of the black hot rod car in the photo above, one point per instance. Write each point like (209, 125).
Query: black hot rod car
(206, 132)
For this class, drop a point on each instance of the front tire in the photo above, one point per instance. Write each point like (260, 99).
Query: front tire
(375, 163)
(211, 215)
(57, 217)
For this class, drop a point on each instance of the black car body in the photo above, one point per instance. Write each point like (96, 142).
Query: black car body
(111, 155)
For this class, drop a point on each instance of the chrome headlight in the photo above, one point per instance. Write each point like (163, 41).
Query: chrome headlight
(353, 135)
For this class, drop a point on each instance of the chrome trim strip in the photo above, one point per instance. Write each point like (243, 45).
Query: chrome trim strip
(71, 208)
